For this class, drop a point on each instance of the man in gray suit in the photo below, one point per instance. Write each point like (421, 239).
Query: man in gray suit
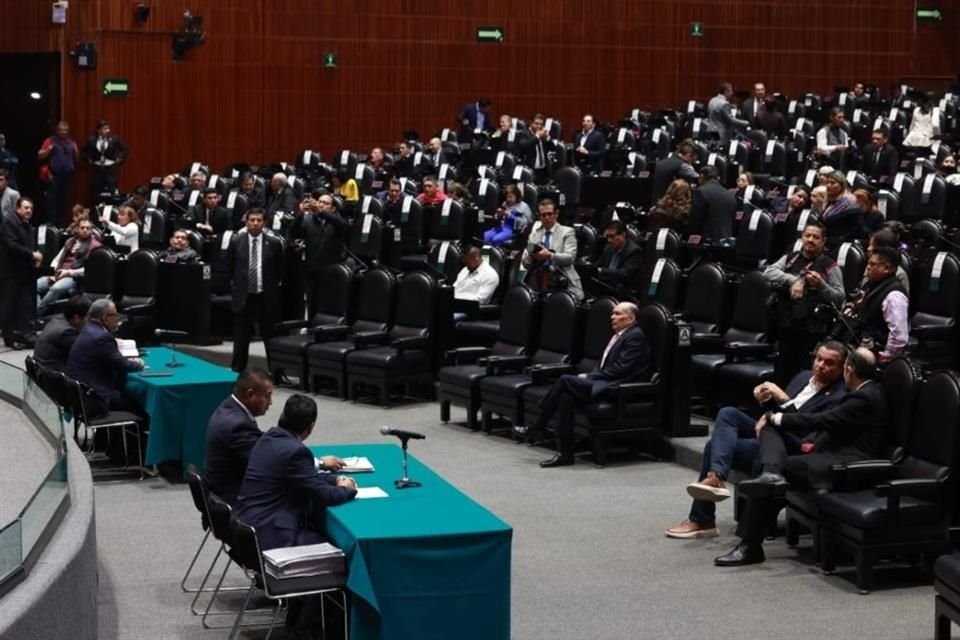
(552, 247)
(721, 118)
(8, 195)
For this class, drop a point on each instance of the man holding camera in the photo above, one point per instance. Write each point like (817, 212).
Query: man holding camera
(800, 281)
(324, 234)
(550, 253)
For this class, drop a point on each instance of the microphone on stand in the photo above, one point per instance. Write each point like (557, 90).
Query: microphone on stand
(170, 335)
(405, 482)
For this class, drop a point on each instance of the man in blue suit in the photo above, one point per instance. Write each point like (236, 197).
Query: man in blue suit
(589, 147)
(283, 495)
(473, 116)
(734, 442)
(95, 360)
(626, 359)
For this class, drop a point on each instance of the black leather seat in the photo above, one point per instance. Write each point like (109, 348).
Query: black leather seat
(705, 302)
(901, 381)
(852, 260)
(754, 238)
(946, 582)
(99, 279)
(661, 282)
(287, 353)
(137, 304)
(459, 382)
(374, 315)
(634, 411)
(501, 391)
(745, 339)
(910, 505)
(366, 238)
(933, 328)
(404, 354)
(482, 323)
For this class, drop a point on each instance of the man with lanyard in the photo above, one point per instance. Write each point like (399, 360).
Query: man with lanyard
(880, 313)
(800, 281)
(67, 268)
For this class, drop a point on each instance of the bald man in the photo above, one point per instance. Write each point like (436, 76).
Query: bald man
(626, 359)
(280, 199)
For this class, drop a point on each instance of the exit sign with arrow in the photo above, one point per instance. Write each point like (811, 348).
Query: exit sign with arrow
(929, 14)
(490, 34)
(116, 87)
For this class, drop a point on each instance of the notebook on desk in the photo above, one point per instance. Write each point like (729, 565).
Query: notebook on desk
(355, 464)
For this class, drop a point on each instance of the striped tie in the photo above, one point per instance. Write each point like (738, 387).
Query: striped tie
(253, 269)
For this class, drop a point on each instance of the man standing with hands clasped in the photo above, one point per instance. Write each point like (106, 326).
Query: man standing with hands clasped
(19, 260)
(626, 359)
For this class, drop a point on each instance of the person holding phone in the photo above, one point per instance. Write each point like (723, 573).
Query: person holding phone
(551, 251)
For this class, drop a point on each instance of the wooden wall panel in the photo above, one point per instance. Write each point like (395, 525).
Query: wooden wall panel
(257, 89)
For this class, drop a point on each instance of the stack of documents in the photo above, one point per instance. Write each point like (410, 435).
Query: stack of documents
(356, 464)
(306, 560)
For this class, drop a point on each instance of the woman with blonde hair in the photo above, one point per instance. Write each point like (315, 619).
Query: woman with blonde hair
(126, 229)
(673, 209)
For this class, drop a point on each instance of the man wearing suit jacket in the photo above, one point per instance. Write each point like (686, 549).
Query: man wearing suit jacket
(679, 164)
(589, 147)
(733, 441)
(281, 198)
(473, 116)
(714, 208)
(55, 341)
(855, 429)
(506, 138)
(19, 260)
(8, 195)
(95, 360)
(880, 159)
(105, 152)
(282, 494)
(534, 149)
(720, 116)
(207, 217)
(751, 106)
(552, 247)
(255, 263)
(232, 431)
(626, 359)
(622, 259)
(436, 153)
(324, 234)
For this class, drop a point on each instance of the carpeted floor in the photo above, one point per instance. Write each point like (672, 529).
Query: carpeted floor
(590, 560)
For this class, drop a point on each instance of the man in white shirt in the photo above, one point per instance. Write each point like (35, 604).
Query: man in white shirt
(477, 280)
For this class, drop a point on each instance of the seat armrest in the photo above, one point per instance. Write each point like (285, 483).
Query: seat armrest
(365, 339)
(138, 309)
(855, 476)
(329, 332)
(547, 373)
(410, 343)
(707, 342)
(488, 312)
(290, 325)
(625, 392)
(920, 488)
(739, 351)
(469, 307)
(933, 332)
(465, 355)
(499, 365)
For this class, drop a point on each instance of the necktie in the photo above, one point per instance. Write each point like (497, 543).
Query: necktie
(538, 164)
(102, 145)
(606, 352)
(546, 239)
(876, 160)
(254, 266)
(614, 261)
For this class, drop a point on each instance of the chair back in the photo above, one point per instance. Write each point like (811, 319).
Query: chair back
(662, 243)
(447, 220)
(408, 217)
(931, 197)
(705, 299)
(375, 301)
(754, 237)
(558, 329)
(750, 317)
(937, 292)
(517, 320)
(199, 491)
(246, 547)
(140, 278)
(932, 441)
(851, 259)
(220, 514)
(656, 322)
(662, 282)
(416, 302)
(445, 258)
(99, 278)
(366, 236)
(596, 333)
(333, 307)
(568, 181)
(901, 381)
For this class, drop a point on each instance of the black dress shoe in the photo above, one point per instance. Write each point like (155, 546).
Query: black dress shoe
(519, 432)
(766, 484)
(559, 460)
(741, 555)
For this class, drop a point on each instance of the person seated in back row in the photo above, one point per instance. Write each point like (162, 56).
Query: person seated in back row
(513, 216)
(179, 250)
(55, 341)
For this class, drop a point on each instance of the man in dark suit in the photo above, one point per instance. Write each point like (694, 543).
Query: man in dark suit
(232, 431)
(284, 497)
(436, 154)
(95, 360)
(507, 138)
(752, 105)
(105, 152)
(589, 147)
(255, 264)
(281, 198)
(679, 164)
(626, 359)
(57, 338)
(714, 208)
(256, 199)
(19, 260)
(324, 234)
(622, 258)
(534, 149)
(282, 494)
(855, 429)
(179, 250)
(733, 441)
(880, 160)
(473, 116)
(207, 217)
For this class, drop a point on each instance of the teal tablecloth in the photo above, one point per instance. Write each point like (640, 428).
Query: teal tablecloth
(427, 563)
(180, 405)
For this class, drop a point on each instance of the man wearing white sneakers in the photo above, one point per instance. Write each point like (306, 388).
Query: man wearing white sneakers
(733, 442)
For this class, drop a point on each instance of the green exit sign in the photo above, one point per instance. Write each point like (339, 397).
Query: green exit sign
(490, 34)
(116, 87)
(696, 29)
(330, 60)
(929, 14)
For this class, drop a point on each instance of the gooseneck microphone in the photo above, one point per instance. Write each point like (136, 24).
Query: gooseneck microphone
(405, 436)
(400, 433)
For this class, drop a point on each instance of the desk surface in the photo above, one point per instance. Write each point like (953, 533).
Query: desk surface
(180, 404)
(427, 562)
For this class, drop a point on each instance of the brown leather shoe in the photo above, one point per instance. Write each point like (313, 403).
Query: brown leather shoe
(711, 489)
(689, 529)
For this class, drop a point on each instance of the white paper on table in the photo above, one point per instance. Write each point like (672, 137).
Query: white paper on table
(371, 492)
